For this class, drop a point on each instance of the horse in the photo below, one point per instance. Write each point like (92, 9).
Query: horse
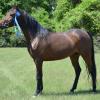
(44, 45)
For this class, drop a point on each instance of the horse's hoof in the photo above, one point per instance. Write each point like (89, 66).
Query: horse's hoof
(94, 90)
(72, 91)
(37, 93)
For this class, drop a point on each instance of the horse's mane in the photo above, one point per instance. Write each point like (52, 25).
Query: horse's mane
(34, 27)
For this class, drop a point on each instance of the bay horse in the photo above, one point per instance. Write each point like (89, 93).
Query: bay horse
(43, 45)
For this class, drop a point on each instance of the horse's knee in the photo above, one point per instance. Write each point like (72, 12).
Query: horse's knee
(77, 70)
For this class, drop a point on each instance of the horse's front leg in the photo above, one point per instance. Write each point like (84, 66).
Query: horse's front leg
(39, 75)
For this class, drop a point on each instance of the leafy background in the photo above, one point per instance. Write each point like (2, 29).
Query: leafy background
(55, 15)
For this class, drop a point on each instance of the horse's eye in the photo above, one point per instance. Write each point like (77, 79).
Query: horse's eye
(12, 14)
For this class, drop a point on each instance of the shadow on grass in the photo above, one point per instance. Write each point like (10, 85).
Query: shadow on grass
(84, 92)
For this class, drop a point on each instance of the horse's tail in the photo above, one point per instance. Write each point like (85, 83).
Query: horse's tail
(92, 52)
(92, 70)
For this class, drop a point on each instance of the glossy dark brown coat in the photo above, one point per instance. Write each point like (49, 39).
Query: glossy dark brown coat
(47, 46)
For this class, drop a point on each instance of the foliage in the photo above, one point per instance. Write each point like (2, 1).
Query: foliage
(75, 17)
(17, 41)
(57, 15)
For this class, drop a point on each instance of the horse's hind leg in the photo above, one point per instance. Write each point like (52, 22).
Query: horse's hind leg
(74, 59)
(91, 68)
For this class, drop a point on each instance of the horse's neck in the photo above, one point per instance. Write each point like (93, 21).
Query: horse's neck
(34, 28)
(26, 33)
(31, 32)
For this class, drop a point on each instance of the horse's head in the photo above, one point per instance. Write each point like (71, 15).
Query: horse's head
(9, 19)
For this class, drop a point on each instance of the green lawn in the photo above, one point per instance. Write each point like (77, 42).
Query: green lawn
(17, 78)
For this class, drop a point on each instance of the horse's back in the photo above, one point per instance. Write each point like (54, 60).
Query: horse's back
(62, 45)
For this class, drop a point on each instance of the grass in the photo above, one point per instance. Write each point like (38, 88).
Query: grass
(17, 78)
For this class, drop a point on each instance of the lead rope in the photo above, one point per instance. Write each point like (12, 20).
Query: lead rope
(18, 30)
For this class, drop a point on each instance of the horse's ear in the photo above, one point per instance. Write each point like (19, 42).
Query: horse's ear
(17, 10)
(15, 7)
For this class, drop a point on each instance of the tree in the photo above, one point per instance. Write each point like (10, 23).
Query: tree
(57, 15)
